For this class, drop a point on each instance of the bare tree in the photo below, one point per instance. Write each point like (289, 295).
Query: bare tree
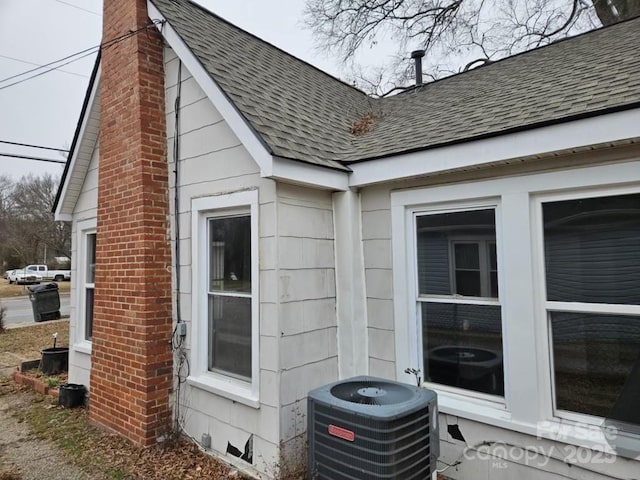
(456, 34)
(29, 227)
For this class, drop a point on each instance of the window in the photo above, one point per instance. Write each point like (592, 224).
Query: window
(229, 348)
(86, 273)
(592, 273)
(542, 268)
(225, 298)
(474, 270)
(89, 284)
(458, 299)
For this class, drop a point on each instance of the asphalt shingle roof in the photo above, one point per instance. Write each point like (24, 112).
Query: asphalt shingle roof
(305, 114)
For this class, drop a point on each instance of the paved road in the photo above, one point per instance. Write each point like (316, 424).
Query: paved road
(19, 311)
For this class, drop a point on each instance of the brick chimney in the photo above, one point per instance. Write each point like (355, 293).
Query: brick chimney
(131, 373)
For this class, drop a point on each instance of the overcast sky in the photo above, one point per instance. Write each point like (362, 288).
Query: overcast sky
(44, 110)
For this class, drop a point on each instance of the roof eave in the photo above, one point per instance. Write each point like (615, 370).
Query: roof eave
(86, 134)
(240, 126)
(271, 166)
(546, 140)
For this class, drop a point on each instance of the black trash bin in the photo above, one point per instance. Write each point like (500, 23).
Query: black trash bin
(45, 301)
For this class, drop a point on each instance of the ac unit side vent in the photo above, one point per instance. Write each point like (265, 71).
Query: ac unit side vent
(394, 437)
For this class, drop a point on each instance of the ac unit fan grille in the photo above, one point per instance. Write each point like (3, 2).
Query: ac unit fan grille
(395, 449)
(372, 393)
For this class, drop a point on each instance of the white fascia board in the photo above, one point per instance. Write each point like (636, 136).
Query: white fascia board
(601, 129)
(227, 109)
(63, 214)
(307, 174)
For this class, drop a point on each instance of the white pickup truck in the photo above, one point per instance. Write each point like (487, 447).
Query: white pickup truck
(46, 274)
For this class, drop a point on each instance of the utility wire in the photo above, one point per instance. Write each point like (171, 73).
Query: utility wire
(35, 75)
(82, 53)
(48, 64)
(38, 65)
(29, 157)
(79, 8)
(33, 146)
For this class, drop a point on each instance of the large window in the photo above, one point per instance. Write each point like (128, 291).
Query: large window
(518, 299)
(225, 295)
(458, 299)
(592, 272)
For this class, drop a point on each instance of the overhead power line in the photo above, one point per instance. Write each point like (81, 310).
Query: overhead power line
(79, 8)
(48, 64)
(29, 157)
(79, 55)
(33, 146)
(48, 70)
(38, 65)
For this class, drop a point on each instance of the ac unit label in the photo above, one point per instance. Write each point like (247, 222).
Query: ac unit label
(342, 433)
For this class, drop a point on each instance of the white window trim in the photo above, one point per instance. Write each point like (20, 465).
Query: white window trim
(84, 228)
(235, 389)
(528, 397)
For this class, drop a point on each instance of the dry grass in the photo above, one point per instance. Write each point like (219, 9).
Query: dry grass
(28, 341)
(9, 474)
(105, 455)
(99, 453)
(11, 291)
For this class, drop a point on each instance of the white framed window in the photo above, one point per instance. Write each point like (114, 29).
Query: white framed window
(225, 324)
(591, 282)
(560, 236)
(458, 311)
(86, 271)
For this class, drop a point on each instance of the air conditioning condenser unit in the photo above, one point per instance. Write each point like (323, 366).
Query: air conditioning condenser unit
(367, 428)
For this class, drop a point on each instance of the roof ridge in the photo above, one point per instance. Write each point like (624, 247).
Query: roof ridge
(485, 66)
(265, 42)
(305, 114)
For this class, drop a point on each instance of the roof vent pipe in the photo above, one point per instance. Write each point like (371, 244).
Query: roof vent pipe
(417, 57)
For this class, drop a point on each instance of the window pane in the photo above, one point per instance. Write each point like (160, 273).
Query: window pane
(493, 258)
(463, 346)
(460, 233)
(468, 283)
(467, 256)
(230, 254)
(230, 335)
(493, 278)
(594, 360)
(592, 250)
(91, 258)
(88, 308)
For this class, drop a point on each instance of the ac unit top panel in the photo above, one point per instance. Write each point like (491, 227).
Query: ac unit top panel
(373, 397)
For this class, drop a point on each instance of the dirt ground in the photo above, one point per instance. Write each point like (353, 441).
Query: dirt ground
(24, 456)
(41, 440)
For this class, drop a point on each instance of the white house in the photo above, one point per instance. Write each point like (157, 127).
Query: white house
(483, 229)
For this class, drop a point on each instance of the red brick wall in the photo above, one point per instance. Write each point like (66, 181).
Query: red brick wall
(131, 358)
